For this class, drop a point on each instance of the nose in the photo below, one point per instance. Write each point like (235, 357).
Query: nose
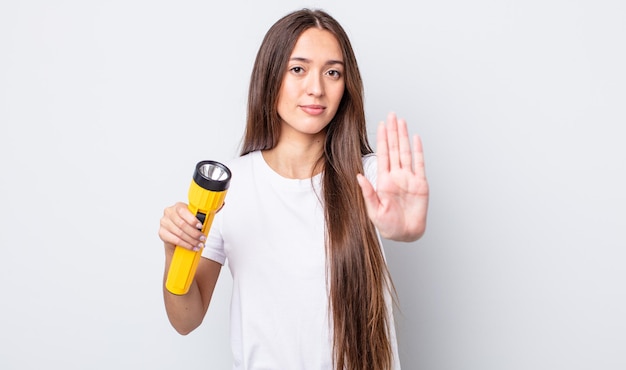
(314, 84)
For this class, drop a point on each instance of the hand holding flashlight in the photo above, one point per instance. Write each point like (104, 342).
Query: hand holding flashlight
(206, 196)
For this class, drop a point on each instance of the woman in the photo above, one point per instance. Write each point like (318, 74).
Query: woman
(300, 230)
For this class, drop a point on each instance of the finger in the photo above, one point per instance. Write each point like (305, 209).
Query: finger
(392, 141)
(178, 222)
(183, 212)
(418, 156)
(369, 195)
(382, 152)
(404, 145)
(170, 234)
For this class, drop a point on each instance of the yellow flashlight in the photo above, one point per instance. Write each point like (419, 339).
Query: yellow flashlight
(206, 195)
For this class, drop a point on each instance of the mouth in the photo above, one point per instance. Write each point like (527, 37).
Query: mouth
(313, 109)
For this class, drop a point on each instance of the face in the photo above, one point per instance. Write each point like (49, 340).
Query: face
(312, 86)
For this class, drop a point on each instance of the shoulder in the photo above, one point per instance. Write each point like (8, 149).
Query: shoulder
(370, 167)
(246, 158)
(241, 163)
(246, 169)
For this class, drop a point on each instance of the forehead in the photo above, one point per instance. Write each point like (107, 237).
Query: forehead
(317, 43)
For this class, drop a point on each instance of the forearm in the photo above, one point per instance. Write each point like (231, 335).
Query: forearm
(186, 312)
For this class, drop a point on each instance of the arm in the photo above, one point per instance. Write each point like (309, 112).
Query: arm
(399, 204)
(186, 312)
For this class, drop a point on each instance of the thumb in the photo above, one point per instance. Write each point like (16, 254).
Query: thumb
(369, 195)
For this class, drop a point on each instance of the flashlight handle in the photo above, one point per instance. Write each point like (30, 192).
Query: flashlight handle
(203, 204)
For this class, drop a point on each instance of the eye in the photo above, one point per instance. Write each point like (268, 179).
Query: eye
(297, 69)
(334, 73)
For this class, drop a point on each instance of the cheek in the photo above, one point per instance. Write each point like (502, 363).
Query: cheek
(286, 94)
(283, 98)
(338, 94)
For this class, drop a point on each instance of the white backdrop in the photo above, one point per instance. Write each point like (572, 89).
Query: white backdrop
(106, 106)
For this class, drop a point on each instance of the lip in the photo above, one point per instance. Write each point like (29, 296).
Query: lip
(313, 109)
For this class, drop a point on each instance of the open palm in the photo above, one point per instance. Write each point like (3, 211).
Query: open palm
(399, 203)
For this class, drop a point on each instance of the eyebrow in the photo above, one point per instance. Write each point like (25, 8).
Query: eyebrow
(306, 60)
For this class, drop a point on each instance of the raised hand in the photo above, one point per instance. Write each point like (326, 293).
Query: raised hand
(399, 204)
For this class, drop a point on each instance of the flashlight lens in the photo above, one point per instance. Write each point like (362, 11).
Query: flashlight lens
(211, 175)
(213, 172)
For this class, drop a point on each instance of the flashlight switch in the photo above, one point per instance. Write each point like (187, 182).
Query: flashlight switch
(201, 217)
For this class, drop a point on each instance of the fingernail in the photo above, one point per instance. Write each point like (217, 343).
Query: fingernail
(199, 226)
(200, 245)
(202, 238)
(195, 249)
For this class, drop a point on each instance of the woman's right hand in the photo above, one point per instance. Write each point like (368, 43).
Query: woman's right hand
(180, 227)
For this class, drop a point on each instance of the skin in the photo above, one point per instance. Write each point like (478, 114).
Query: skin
(399, 205)
(308, 100)
(309, 97)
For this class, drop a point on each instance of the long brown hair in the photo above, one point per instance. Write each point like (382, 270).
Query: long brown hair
(357, 273)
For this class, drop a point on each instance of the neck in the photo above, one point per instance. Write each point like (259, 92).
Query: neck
(295, 160)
